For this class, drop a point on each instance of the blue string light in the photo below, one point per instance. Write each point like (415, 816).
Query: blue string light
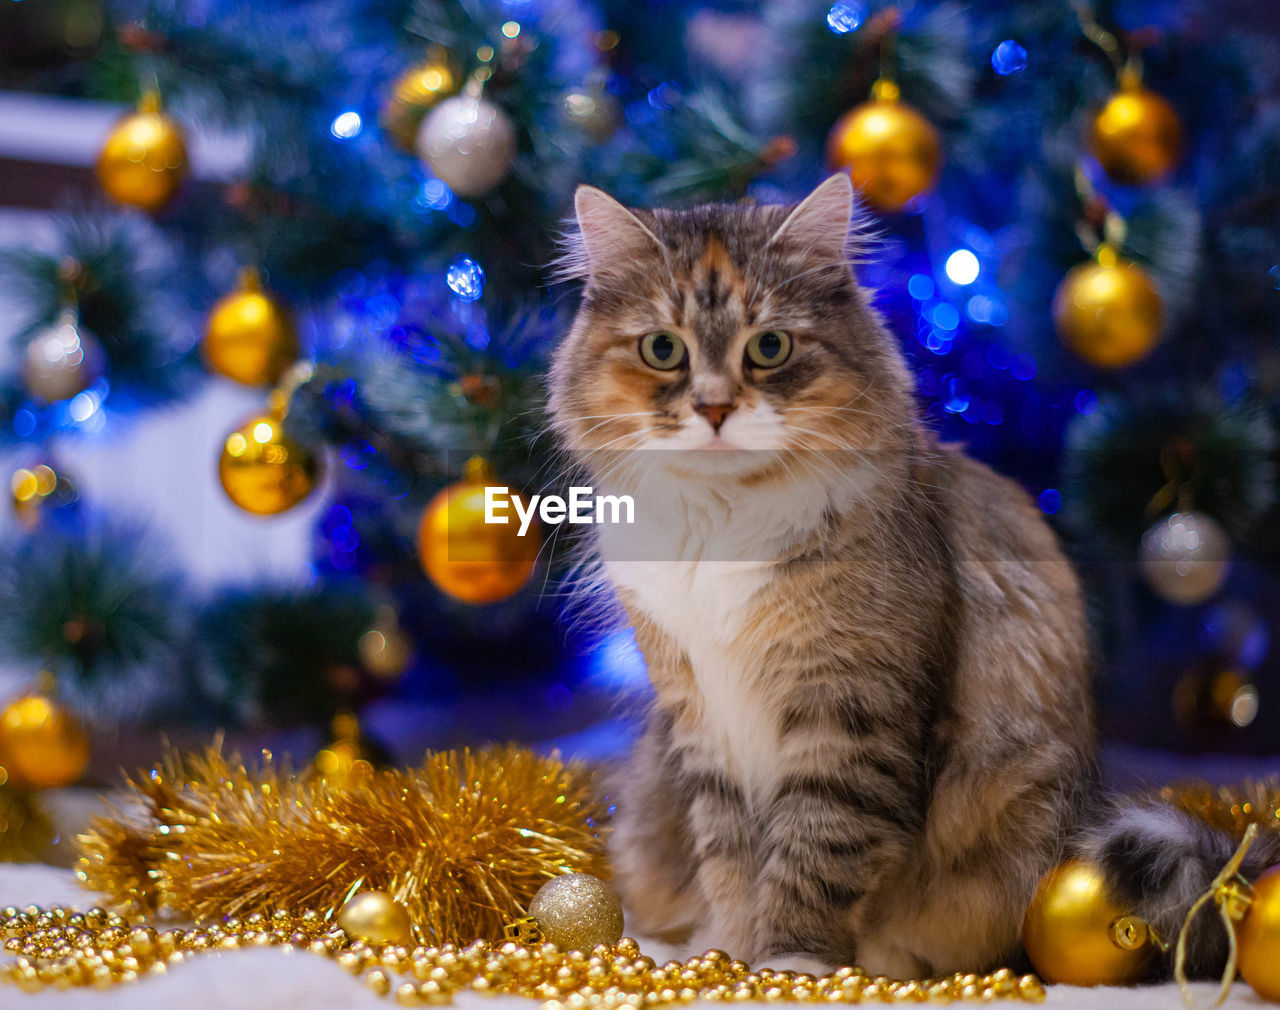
(845, 16)
(1050, 501)
(465, 278)
(346, 125)
(1009, 57)
(921, 287)
(962, 267)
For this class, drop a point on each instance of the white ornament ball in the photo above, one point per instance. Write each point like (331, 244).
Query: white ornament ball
(1185, 557)
(469, 143)
(62, 360)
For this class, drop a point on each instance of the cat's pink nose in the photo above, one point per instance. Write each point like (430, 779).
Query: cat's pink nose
(715, 413)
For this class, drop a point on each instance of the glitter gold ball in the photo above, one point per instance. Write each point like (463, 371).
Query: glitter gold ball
(1137, 136)
(1075, 934)
(577, 911)
(250, 336)
(144, 159)
(891, 152)
(1259, 937)
(263, 470)
(42, 746)
(375, 917)
(472, 560)
(1108, 311)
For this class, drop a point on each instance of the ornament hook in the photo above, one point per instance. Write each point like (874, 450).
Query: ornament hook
(1231, 893)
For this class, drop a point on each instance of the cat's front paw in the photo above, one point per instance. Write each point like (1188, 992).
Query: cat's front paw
(800, 963)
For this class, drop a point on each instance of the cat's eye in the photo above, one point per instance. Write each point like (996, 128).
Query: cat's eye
(769, 349)
(663, 351)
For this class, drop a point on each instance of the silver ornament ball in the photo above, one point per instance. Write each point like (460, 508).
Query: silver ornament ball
(1185, 557)
(62, 360)
(469, 143)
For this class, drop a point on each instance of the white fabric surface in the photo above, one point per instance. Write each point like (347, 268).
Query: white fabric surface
(272, 980)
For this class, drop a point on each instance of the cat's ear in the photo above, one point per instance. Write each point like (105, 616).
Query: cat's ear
(609, 237)
(822, 221)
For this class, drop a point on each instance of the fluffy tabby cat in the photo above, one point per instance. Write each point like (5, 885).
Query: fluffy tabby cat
(872, 729)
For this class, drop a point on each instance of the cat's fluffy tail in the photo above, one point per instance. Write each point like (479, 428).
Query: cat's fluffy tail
(1158, 859)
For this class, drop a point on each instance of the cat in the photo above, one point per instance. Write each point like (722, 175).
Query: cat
(872, 730)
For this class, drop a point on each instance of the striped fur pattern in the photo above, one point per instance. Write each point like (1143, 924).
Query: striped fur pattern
(871, 724)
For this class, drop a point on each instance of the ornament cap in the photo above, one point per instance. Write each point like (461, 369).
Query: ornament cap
(1129, 78)
(478, 469)
(1107, 256)
(249, 279)
(1129, 932)
(149, 102)
(885, 90)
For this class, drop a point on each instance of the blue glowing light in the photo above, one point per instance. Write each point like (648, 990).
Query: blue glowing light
(1086, 402)
(987, 311)
(465, 278)
(945, 316)
(84, 405)
(1050, 501)
(993, 412)
(1236, 634)
(1274, 274)
(435, 195)
(962, 267)
(346, 125)
(1009, 57)
(617, 664)
(664, 97)
(921, 287)
(358, 455)
(845, 16)
(1023, 368)
(957, 397)
(478, 336)
(24, 423)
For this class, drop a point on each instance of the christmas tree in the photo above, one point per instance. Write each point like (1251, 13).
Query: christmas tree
(351, 210)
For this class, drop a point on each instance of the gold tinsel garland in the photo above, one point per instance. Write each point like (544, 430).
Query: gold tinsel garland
(61, 948)
(1230, 808)
(462, 842)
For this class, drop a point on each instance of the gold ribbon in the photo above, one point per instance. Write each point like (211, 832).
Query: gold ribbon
(1230, 892)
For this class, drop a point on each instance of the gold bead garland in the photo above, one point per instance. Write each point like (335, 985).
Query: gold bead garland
(63, 948)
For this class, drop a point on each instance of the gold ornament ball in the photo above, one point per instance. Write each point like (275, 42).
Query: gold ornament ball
(1076, 935)
(42, 746)
(1108, 311)
(1259, 938)
(412, 97)
(891, 152)
(577, 911)
(144, 159)
(263, 470)
(250, 336)
(471, 560)
(376, 917)
(1137, 137)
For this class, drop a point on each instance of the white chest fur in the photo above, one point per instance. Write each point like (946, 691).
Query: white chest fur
(706, 608)
(695, 563)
